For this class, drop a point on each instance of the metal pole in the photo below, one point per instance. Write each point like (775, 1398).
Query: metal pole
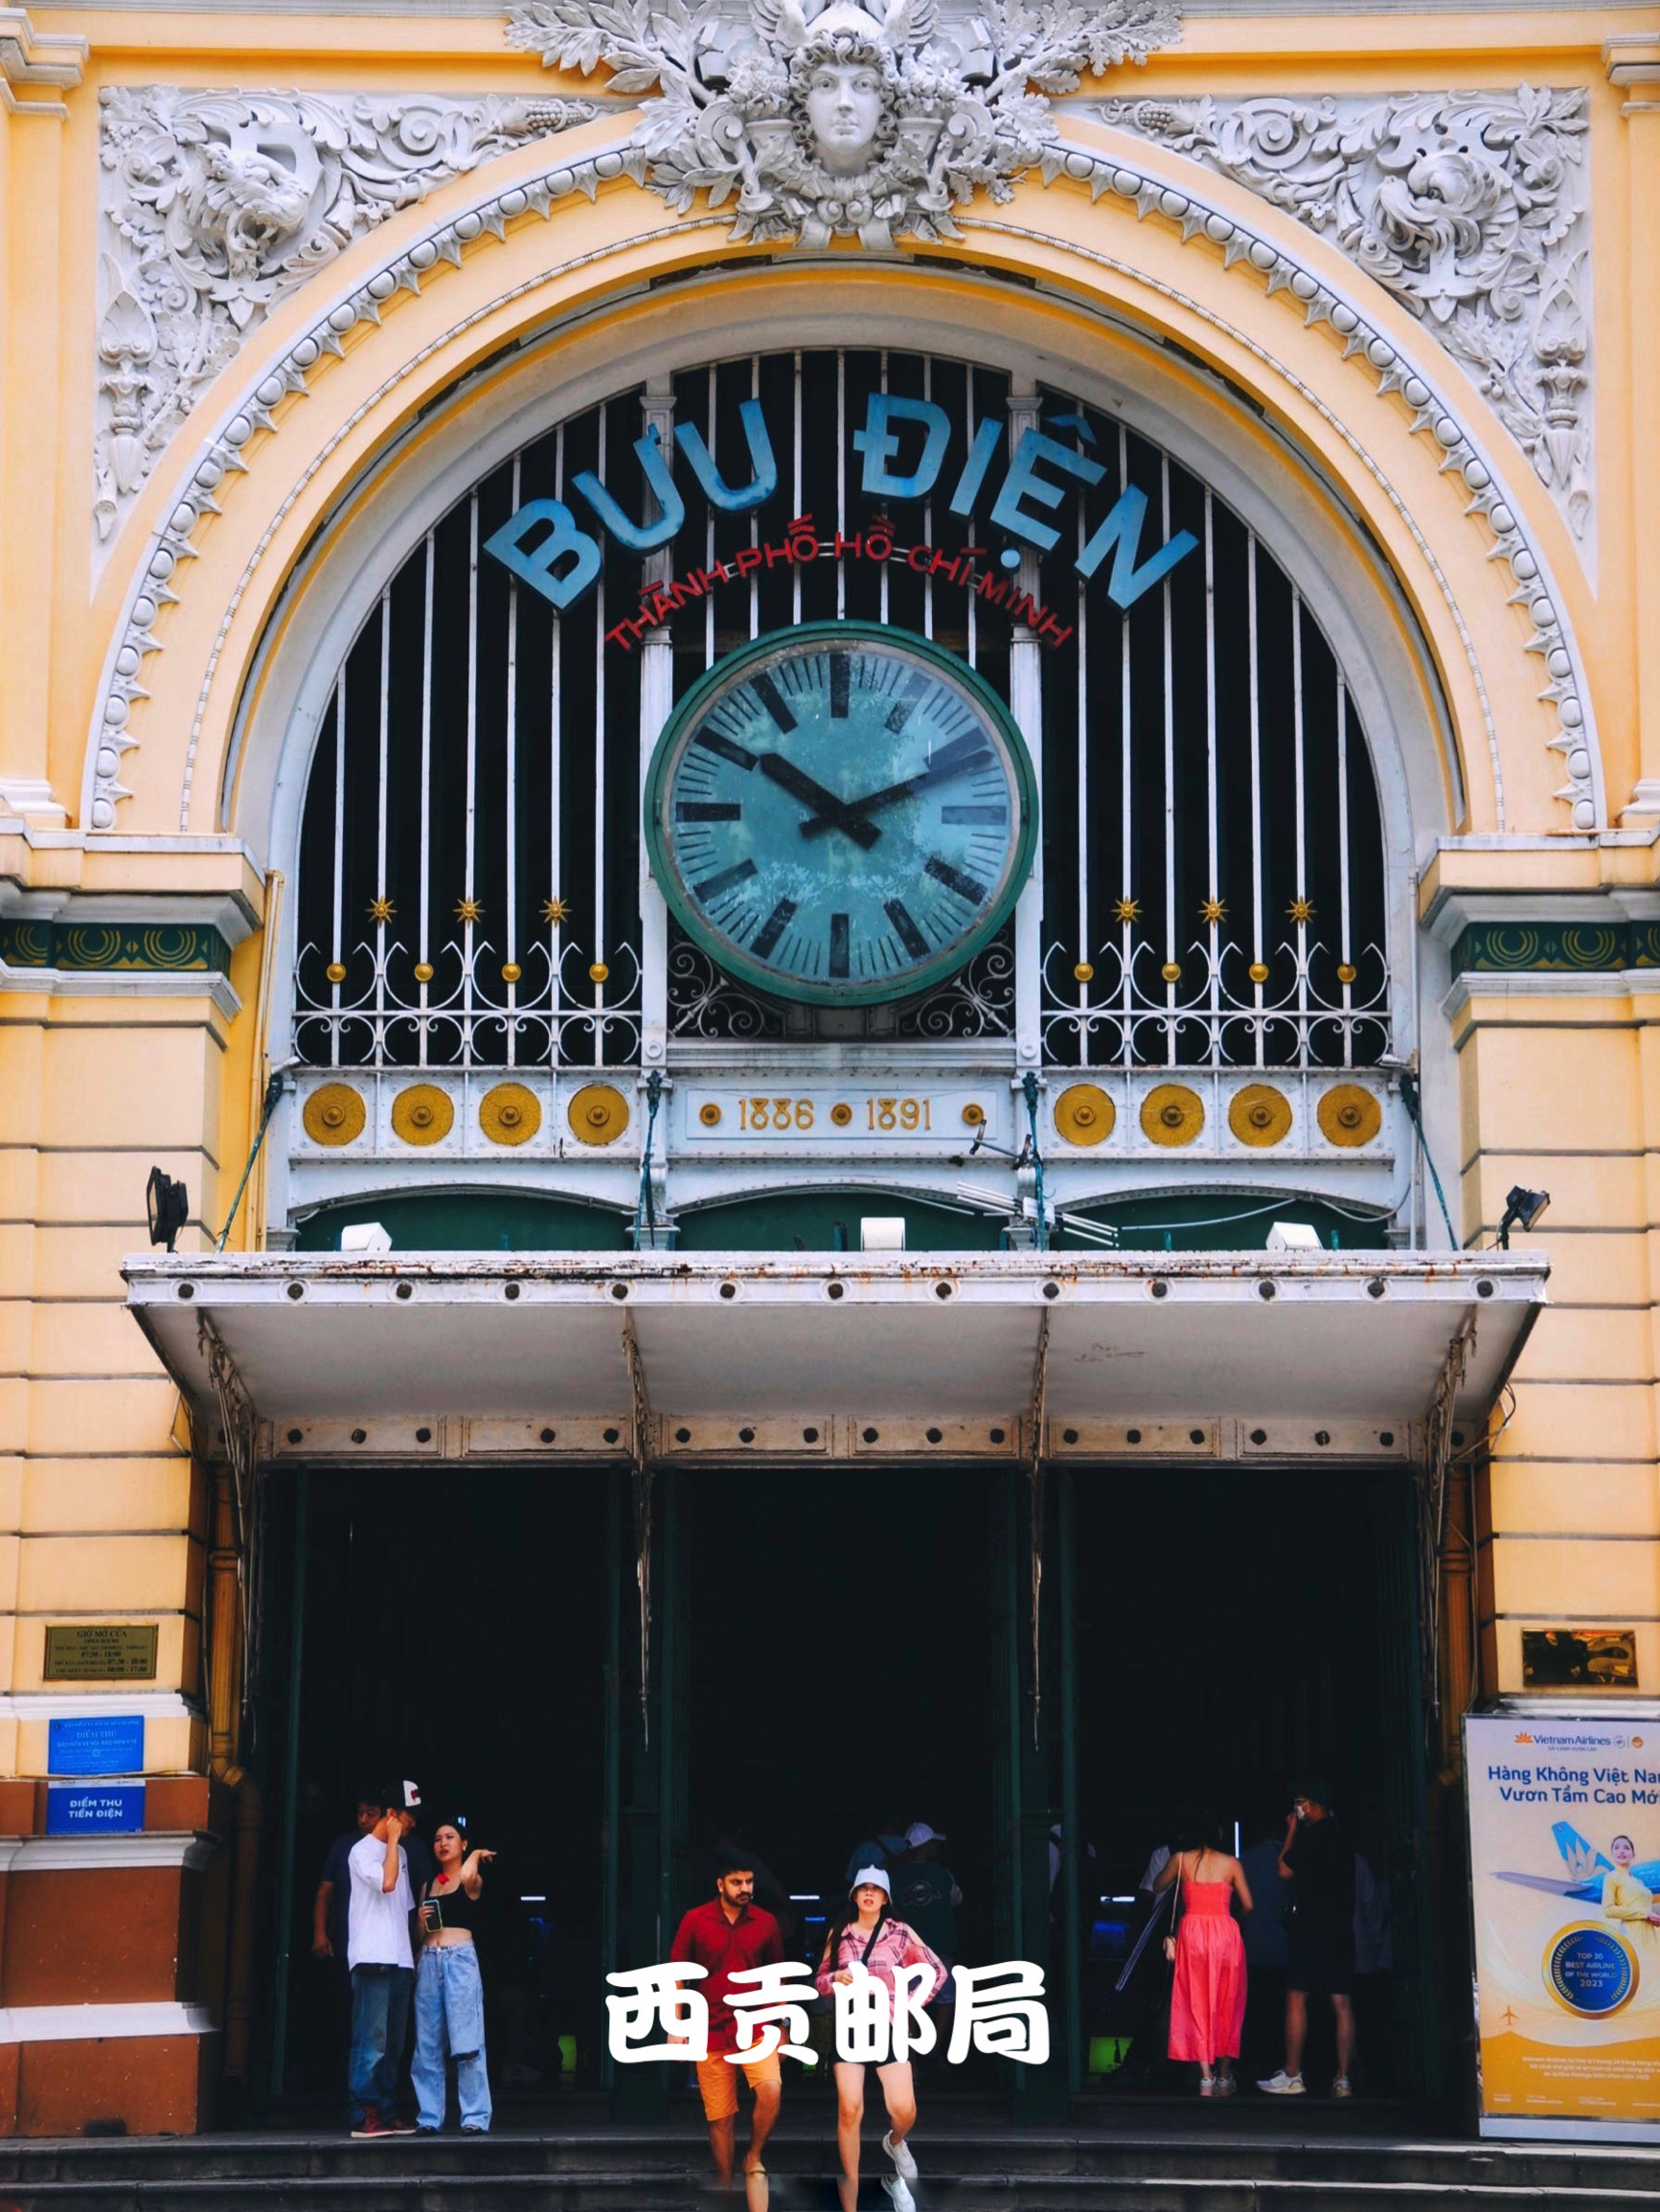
(667, 1748)
(613, 1723)
(1071, 1859)
(290, 1778)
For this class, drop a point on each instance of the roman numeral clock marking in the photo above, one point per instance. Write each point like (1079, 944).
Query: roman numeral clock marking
(839, 813)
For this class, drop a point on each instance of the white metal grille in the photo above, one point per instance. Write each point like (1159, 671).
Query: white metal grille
(1213, 869)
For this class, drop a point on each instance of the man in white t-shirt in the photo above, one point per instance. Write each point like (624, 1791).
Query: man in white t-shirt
(382, 1967)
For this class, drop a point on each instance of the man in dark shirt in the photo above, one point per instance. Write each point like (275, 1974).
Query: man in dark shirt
(925, 1891)
(1318, 1857)
(728, 1936)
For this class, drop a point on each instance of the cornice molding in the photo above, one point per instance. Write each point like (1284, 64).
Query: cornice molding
(31, 60)
(1632, 59)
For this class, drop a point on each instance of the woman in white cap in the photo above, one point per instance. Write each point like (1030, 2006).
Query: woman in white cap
(868, 1935)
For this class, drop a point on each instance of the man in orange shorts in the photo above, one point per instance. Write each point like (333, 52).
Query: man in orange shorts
(727, 1935)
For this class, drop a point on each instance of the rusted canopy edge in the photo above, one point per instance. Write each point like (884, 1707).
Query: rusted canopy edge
(524, 1354)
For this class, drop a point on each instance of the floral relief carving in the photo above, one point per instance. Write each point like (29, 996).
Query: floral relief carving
(1470, 208)
(1390, 372)
(216, 204)
(820, 119)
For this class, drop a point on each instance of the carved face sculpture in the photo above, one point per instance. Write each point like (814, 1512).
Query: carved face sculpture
(844, 111)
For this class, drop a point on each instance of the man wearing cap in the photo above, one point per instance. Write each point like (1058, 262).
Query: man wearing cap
(925, 1892)
(728, 1936)
(1318, 1857)
(383, 1964)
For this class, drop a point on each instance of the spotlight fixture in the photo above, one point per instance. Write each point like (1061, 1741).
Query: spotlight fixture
(168, 1204)
(1522, 1209)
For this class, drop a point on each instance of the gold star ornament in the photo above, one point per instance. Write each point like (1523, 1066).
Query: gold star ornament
(381, 909)
(1127, 909)
(469, 910)
(556, 911)
(1301, 910)
(1214, 911)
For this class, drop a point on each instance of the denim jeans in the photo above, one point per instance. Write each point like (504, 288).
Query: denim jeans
(449, 2019)
(380, 2030)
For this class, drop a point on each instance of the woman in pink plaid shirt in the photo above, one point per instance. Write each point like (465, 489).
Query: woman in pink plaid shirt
(870, 1936)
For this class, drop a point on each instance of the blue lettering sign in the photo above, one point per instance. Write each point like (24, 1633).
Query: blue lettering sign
(92, 1746)
(1023, 482)
(981, 455)
(1121, 536)
(534, 564)
(94, 1807)
(544, 547)
(639, 537)
(763, 481)
(879, 446)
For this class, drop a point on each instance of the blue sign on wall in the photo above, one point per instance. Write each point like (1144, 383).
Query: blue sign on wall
(109, 1744)
(94, 1807)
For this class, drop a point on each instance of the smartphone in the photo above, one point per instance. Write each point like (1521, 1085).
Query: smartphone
(433, 1911)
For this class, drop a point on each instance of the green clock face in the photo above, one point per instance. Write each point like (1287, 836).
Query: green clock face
(841, 813)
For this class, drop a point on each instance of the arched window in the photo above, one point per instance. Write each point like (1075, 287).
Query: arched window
(1212, 859)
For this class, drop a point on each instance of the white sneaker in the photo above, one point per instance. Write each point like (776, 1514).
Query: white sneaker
(1340, 2086)
(898, 2196)
(904, 2165)
(1283, 2084)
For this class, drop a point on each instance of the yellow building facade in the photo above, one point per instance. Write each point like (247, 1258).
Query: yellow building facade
(281, 289)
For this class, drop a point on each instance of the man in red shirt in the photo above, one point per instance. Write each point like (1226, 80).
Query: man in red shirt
(728, 1934)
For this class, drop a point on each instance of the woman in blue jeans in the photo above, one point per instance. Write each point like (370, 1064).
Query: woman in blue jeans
(449, 1990)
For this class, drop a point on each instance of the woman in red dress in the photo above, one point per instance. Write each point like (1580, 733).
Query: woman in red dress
(1208, 1997)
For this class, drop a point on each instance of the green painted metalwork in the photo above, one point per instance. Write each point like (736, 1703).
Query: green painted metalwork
(470, 1222)
(829, 1221)
(290, 1779)
(1555, 948)
(165, 948)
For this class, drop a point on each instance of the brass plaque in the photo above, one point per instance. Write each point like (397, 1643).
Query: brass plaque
(1579, 1658)
(102, 1652)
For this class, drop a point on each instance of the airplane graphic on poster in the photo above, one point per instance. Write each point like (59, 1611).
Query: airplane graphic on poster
(1586, 1866)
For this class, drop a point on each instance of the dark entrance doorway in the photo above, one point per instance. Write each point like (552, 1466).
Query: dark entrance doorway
(841, 1673)
(449, 1626)
(1237, 1630)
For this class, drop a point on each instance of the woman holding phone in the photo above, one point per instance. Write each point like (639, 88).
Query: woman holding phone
(448, 1989)
(868, 1935)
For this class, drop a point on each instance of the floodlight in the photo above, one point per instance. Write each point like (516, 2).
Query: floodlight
(1522, 1209)
(168, 1204)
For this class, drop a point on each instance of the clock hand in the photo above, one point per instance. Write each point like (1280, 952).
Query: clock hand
(832, 813)
(952, 759)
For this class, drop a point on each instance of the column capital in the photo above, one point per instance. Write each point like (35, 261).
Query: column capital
(31, 60)
(1632, 61)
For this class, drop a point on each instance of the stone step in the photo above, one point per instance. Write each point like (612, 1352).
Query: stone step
(1200, 2162)
(619, 2192)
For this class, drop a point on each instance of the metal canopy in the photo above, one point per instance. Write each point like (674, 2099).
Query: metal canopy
(1148, 1354)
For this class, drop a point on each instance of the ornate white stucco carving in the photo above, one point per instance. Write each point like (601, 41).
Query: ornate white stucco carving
(1469, 206)
(216, 204)
(1387, 373)
(821, 118)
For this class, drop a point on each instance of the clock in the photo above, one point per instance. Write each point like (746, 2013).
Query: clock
(841, 813)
